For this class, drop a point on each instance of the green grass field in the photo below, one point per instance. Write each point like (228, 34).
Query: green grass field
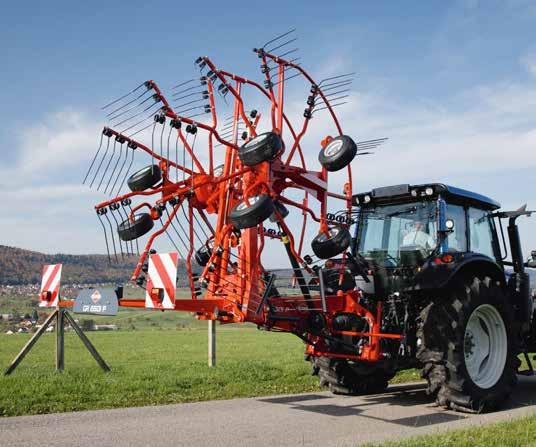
(518, 433)
(152, 367)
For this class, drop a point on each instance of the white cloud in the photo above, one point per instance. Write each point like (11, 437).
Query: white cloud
(528, 61)
(46, 149)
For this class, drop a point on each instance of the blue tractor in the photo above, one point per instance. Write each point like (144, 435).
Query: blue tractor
(434, 257)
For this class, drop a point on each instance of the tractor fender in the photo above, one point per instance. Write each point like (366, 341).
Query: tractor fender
(436, 275)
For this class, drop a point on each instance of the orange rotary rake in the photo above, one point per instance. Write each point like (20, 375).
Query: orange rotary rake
(223, 190)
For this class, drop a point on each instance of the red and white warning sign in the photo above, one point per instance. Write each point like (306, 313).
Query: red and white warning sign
(161, 281)
(50, 286)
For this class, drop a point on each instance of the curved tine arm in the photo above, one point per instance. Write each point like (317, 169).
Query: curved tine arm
(203, 126)
(300, 206)
(149, 243)
(234, 92)
(312, 81)
(167, 189)
(267, 94)
(168, 111)
(149, 151)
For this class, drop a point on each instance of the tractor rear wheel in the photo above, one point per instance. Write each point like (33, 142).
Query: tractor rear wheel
(344, 377)
(468, 346)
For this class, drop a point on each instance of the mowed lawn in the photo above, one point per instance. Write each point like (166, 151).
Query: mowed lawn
(152, 367)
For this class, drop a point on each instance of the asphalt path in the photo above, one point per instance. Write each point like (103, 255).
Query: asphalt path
(312, 419)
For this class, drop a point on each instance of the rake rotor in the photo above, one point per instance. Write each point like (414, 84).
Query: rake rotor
(222, 189)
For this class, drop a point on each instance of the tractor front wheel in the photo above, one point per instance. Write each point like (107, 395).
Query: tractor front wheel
(468, 346)
(348, 378)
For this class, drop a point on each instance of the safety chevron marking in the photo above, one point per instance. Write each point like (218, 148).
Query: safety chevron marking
(50, 286)
(162, 275)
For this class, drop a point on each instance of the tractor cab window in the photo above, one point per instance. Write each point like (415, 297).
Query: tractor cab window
(457, 240)
(393, 234)
(480, 233)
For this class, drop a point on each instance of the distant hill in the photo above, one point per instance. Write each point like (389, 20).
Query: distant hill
(21, 267)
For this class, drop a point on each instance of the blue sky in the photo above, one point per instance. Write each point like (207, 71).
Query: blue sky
(452, 84)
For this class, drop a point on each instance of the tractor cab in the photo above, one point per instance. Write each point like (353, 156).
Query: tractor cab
(405, 231)
(403, 225)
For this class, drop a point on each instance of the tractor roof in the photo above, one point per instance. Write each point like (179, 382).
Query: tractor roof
(407, 193)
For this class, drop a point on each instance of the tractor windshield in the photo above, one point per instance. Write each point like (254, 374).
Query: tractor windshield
(398, 234)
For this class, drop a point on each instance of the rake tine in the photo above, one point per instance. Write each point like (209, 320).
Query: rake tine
(336, 77)
(100, 164)
(365, 153)
(127, 103)
(108, 165)
(378, 140)
(271, 67)
(174, 95)
(287, 79)
(105, 236)
(191, 108)
(182, 83)
(162, 138)
(190, 102)
(286, 53)
(124, 112)
(117, 226)
(282, 45)
(124, 96)
(115, 166)
(332, 106)
(127, 171)
(333, 99)
(142, 120)
(130, 212)
(196, 114)
(112, 232)
(120, 210)
(278, 37)
(140, 130)
(94, 158)
(156, 101)
(120, 169)
(337, 85)
(170, 238)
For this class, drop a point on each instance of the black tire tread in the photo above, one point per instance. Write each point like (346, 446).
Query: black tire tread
(441, 350)
(342, 377)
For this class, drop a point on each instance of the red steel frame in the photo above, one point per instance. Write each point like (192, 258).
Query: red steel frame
(234, 291)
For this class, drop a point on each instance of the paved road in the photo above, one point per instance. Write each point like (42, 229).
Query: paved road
(314, 419)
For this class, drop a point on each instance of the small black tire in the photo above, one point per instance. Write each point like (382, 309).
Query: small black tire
(247, 216)
(281, 209)
(326, 246)
(338, 153)
(332, 281)
(263, 147)
(128, 230)
(202, 256)
(346, 378)
(145, 178)
(448, 343)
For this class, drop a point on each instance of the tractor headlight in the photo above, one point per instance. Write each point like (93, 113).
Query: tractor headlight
(429, 191)
(366, 199)
(414, 192)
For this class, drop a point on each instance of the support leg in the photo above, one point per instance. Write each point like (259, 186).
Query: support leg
(211, 343)
(87, 343)
(30, 344)
(60, 340)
